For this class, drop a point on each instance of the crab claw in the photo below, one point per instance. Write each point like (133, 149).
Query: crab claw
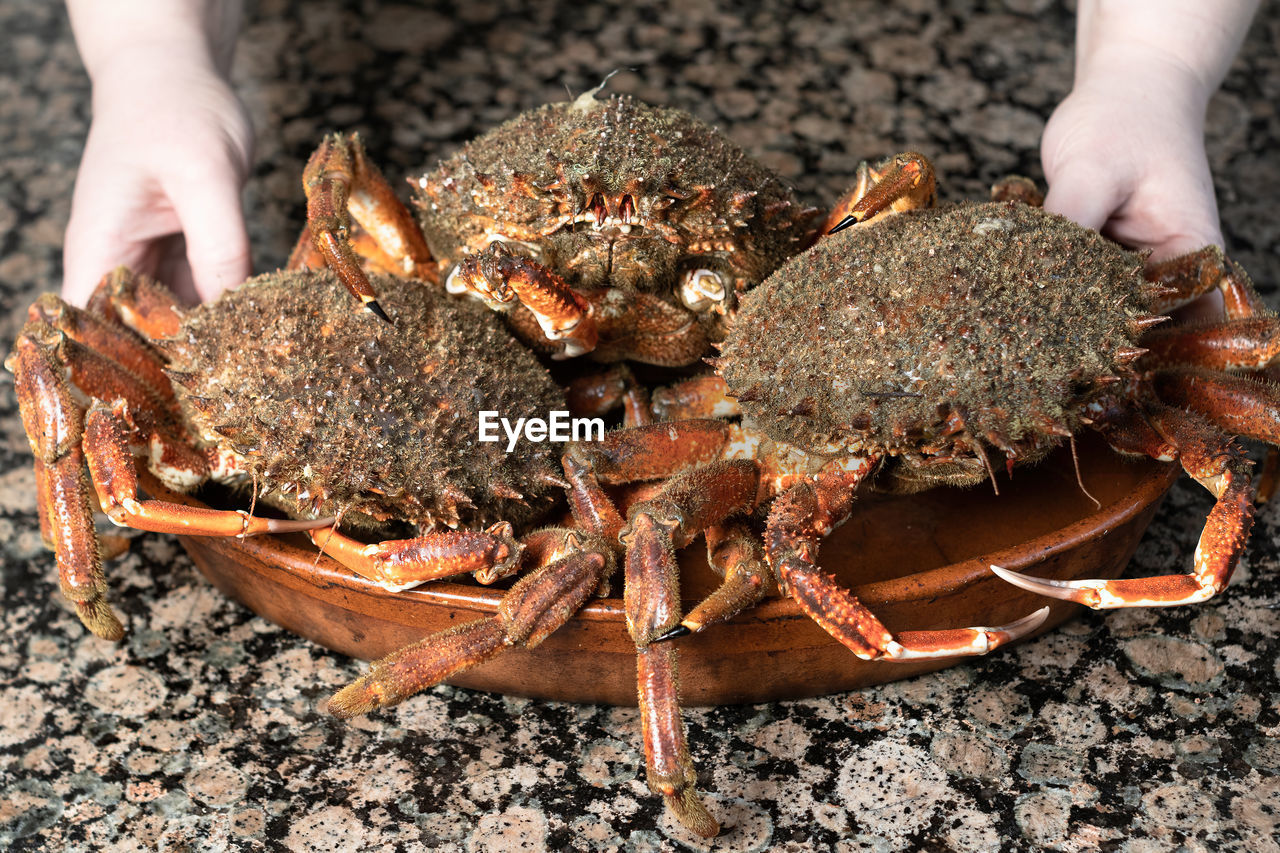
(914, 645)
(1109, 595)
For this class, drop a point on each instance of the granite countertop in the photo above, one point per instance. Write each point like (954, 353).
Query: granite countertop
(1138, 730)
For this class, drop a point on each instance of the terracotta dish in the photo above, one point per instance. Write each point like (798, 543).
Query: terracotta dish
(920, 562)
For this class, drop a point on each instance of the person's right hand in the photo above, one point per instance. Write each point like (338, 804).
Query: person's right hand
(168, 151)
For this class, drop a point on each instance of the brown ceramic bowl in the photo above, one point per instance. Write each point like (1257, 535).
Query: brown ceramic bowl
(919, 562)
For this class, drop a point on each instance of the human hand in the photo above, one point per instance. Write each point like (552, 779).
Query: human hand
(168, 152)
(1124, 154)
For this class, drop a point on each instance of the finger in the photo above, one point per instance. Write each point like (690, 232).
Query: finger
(213, 223)
(111, 224)
(1084, 195)
(173, 270)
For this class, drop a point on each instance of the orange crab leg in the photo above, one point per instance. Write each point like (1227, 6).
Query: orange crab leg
(733, 549)
(1218, 465)
(686, 506)
(111, 467)
(54, 424)
(905, 182)
(341, 184)
(799, 520)
(44, 500)
(643, 453)
(405, 563)
(139, 302)
(699, 397)
(669, 769)
(504, 280)
(1236, 404)
(1190, 276)
(98, 336)
(538, 604)
(1249, 343)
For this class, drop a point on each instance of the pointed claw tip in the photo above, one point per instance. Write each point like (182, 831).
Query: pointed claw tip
(674, 634)
(1030, 622)
(374, 308)
(843, 224)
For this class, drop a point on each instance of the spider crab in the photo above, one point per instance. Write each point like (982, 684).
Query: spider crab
(329, 416)
(948, 338)
(606, 228)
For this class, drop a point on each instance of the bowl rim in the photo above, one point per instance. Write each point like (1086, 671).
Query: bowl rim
(321, 571)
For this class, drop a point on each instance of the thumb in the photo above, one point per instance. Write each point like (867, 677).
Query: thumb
(217, 242)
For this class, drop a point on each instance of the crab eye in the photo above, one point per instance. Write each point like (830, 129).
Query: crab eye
(701, 290)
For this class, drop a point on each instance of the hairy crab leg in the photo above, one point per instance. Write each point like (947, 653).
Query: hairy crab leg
(305, 256)
(341, 184)
(538, 604)
(733, 550)
(504, 280)
(698, 397)
(138, 302)
(111, 466)
(688, 505)
(806, 513)
(649, 329)
(1248, 343)
(644, 453)
(97, 335)
(1187, 277)
(1218, 465)
(400, 564)
(54, 424)
(1238, 405)
(905, 182)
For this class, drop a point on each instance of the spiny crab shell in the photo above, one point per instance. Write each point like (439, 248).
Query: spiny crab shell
(339, 416)
(999, 311)
(616, 193)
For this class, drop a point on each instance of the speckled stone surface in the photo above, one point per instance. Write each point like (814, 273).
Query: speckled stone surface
(202, 731)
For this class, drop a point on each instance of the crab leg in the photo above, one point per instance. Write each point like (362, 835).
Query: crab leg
(54, 424)
(341, 184)
(905, 182)
(649, 330)
(601, 393)
(799, 520)
(1248, 343)
(111, 466)
(1190, 276)
(1218, 465)
(99, 336)
(698, 397)
(1235, 404)
(538, 604)
(688, 505)
(138, 302)
(644, 453)
(504, 280)
(734, 551)
(401, 564)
